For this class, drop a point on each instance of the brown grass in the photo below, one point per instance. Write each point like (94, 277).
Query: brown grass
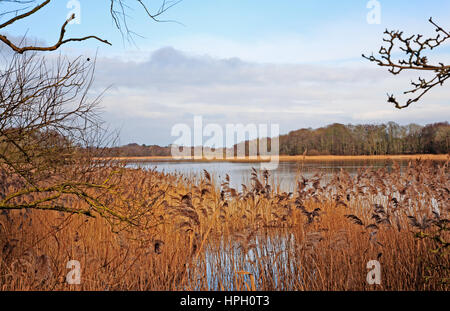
(212, 237)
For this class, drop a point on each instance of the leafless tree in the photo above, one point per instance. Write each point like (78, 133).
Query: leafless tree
(51, 133)
(414, 47)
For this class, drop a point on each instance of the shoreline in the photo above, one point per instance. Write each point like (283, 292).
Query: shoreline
(283, 158)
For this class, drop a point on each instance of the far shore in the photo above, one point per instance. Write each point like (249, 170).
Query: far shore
(284, 158)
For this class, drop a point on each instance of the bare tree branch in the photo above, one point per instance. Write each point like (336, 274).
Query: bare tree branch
(118, 11)
(24, 15)
(54, 47)
(414, 47)
(119, 8)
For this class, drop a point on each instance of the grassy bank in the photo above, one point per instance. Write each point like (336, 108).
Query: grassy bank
(205, 236)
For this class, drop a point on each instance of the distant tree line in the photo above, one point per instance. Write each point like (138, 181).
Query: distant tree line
(340, 139)
(365, 139)
(136, 150)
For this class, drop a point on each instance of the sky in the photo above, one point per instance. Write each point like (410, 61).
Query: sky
(293, 63)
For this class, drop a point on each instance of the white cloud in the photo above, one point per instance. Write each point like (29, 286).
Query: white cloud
(172, 86)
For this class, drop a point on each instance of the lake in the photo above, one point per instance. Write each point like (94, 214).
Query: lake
(285, 175)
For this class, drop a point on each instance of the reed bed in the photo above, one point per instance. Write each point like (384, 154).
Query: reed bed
(203, 235)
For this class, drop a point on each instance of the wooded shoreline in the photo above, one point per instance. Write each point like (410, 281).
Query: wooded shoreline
(285, 158)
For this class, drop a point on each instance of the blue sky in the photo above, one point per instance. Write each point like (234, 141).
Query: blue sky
(296, 63)
(241, 22)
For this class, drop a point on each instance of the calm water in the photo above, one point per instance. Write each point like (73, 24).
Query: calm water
(285, 175)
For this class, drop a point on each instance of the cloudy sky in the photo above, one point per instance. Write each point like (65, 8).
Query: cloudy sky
(293, 63)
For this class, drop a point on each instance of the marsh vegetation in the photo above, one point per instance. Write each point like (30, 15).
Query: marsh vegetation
(185, 234)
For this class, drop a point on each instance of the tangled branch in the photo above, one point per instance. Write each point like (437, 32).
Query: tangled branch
(414, 47)
(119, 8)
